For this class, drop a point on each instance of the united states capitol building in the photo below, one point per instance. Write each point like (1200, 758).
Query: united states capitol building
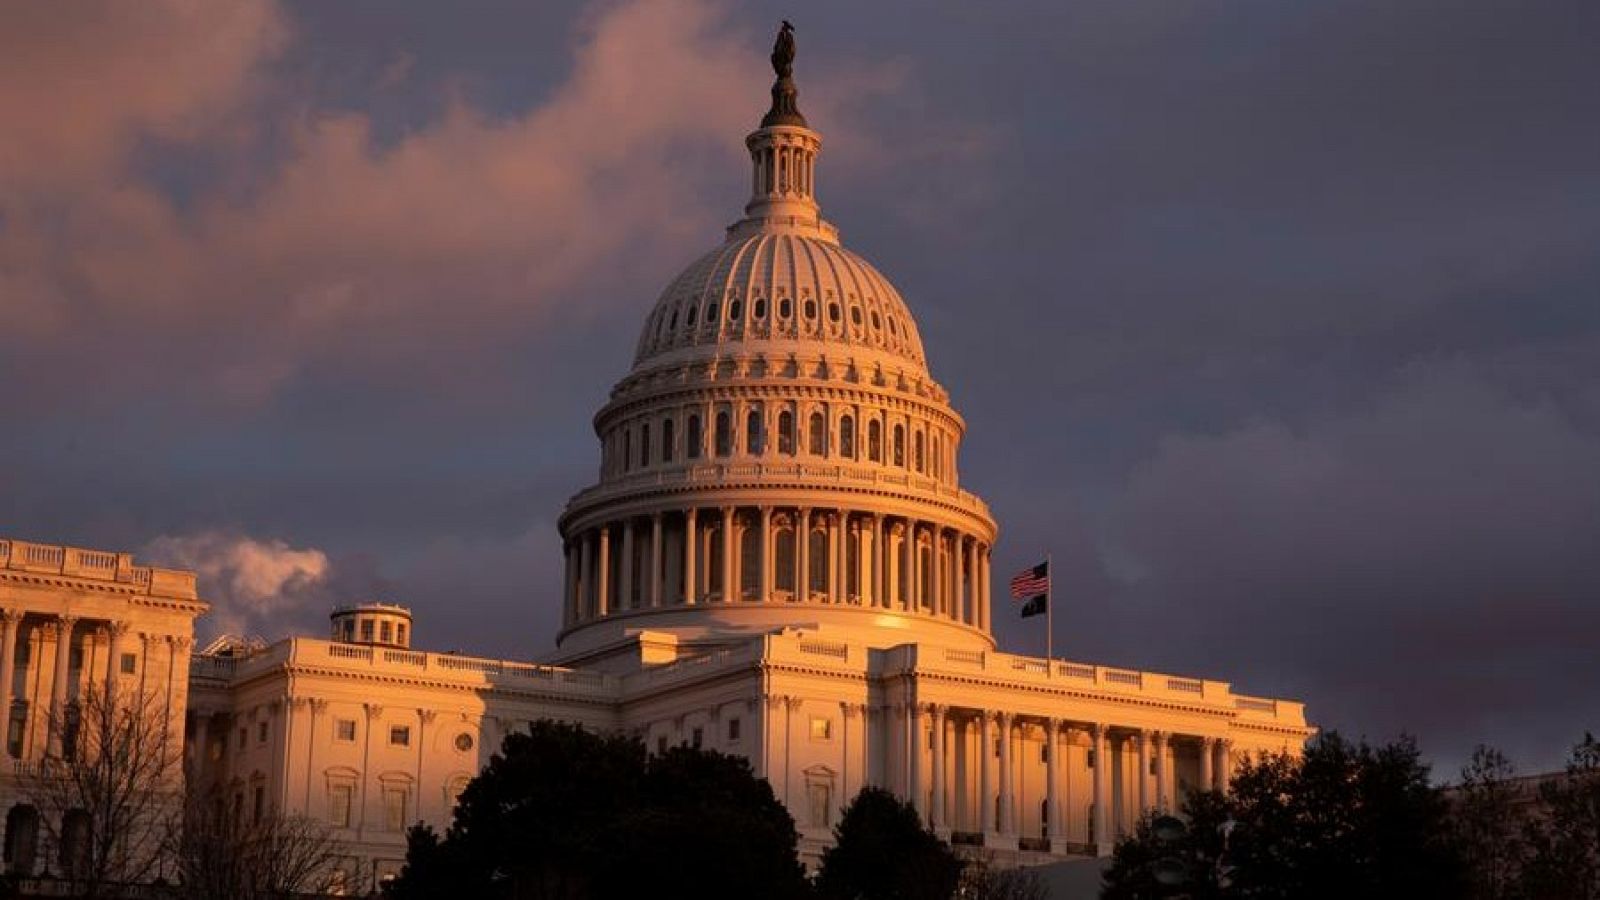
(778, 560)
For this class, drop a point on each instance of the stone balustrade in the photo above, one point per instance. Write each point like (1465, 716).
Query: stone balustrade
(96, 565)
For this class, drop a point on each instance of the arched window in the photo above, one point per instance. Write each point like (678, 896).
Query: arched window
(784, 308)
(819, 435)
(666, 440)
(627, 449)
(917, 446)
(734, 309)
(899, 445)
(750, 564)
(817, 578)
(644, 445)
(875, 441)
(22, 839)
(759, 308)
(847, 437)
(724, 435)
(711, 313)
(755, 440)
(689, 319)
(938, 456)
(786, 433)
(783, 560)
(693, 442)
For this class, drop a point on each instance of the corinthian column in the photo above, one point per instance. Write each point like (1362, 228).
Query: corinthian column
(766, 554)
(936, 815)
(602, 577)
(58, 682)
(625, 596)
(730, 590)
(658, 567)
(802, 553)
(1102, 790)
(691, 543)
(908, 566)
(10, 625)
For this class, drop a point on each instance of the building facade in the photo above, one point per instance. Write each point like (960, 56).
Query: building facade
(777, 561)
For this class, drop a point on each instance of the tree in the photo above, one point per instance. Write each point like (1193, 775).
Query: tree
(1487, 826)
(562, 812)
(109, 791)
(1345, 820)
(1564, 842)
(981, 879)
(220, 856)
(882, 851)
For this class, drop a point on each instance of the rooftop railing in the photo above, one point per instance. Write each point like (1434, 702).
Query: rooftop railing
(96, 565)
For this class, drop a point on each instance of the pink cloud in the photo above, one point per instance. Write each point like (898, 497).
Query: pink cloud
(468, 234)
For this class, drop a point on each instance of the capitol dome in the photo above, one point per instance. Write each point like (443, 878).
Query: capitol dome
(779, 455)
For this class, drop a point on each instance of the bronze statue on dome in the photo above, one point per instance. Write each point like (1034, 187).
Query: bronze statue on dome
(783, 51)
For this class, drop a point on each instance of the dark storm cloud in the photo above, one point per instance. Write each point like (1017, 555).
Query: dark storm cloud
(1278, 325)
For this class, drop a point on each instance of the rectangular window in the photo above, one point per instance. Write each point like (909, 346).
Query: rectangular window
(661, 744)
(385, 633)
(261, 732)
(699, 738)
(340, 800)
(394, 808)
(130, 663)
(344, 730)
(244, 735)
(258, 804)
(400, 735)
(400, 633)
(821, 729)
(366, 630)
(733, 729)
(1091, 756)
(1044, 753)
(19, 730)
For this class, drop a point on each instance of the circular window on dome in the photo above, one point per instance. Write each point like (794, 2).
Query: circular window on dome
(893, 329)
(463, 742)
(855, 316)
(759, 309)
(734, 309)
(784, 308)
(811, 309)
(689, 319)
(711, 312)
(672, 323)
(833, 312)
(877, 324)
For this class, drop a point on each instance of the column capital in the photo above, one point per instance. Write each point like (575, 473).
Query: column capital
(1159, 738)
(427, 716)
(68, 619)
(297, 703)
(318, 706)
(50, 630)
(180, 641)
(119, 627)
(373, 710)
(850, 708)
(9, 616)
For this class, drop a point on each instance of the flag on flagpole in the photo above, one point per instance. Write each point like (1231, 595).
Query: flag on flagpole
(1031, 587)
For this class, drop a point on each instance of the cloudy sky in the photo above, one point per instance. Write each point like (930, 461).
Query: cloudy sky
(1277, 324)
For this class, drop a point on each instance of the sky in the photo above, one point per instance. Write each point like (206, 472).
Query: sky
(1277, 325)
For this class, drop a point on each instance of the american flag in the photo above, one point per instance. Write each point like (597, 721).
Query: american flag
(1031, 582)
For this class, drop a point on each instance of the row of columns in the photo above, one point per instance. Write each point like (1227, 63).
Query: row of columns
(950, 580)
(927, 725)
(59, 628)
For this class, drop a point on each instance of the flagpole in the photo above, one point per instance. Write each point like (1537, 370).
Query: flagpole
(1049, 611)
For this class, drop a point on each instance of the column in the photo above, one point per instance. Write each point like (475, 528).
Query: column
(842, 553)
(986, 804)
(691, 543)
(202, 746)
(602, 577)
(1163, 773)
(937, 816)
(1224, 765)
(10, 625)
(880, 596)
(1207, 760)
(802, 553)
(658, 568)
(625, 599)
(117, 630)
(908, 566)
(914, 759)
(586, 598)
(936, 559)
(983, 585)
(1145, 800)
(1052, 781)
(833, 559)
(1102, 790)
(58, 682)
(964, 570)
(730, 589)
(766, 554)
(569, 582)
(1008, 812)
(969, 604)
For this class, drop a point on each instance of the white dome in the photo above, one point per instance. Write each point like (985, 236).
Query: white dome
(771, 287)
